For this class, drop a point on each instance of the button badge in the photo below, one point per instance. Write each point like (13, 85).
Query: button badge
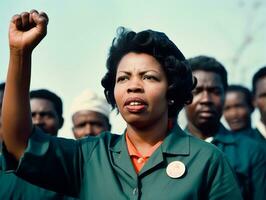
(175, 169)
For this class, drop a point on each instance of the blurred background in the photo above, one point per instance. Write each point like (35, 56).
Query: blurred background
(72, 56)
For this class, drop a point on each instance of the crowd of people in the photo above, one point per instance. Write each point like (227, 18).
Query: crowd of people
(148, 81)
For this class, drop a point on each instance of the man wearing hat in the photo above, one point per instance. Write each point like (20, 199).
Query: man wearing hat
(90, 115)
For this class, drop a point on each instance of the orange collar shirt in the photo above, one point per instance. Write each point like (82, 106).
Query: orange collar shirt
(137, 159)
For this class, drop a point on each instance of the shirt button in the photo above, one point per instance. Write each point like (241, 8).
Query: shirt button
(140, 160)
(135, 191)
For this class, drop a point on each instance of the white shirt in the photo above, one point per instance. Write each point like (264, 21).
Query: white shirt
(262, 128)
(209, 139)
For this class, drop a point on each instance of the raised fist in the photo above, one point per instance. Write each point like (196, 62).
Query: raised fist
(27, 30)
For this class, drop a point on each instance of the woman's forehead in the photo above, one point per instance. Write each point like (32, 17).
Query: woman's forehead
(138, 62)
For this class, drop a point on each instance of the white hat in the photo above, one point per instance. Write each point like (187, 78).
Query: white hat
(89, 100)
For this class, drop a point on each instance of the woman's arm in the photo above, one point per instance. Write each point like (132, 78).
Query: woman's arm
(25, 32)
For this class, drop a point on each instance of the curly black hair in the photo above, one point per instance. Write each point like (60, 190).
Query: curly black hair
(158, 45)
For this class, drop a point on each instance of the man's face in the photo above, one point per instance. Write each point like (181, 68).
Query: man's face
(208, 99)
(44, 115)
(237, 112)
(89, 123)
(260, 97)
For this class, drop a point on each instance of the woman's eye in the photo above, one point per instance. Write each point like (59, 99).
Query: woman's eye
(122, 78)
(149, 77)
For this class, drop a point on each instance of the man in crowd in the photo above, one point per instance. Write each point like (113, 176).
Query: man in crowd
(46, 114)
(259, 93)
(238, 108)
(46, 110)
(246, 156)
(90, 115)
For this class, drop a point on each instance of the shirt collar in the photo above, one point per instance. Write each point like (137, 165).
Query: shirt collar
(262, 128)
(209, 139)
(132, 150)
(177, 142)
(223, 135)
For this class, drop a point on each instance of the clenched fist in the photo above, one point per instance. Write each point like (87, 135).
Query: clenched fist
(27, 30)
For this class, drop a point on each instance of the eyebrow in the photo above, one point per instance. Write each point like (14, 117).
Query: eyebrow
(209, 87)
(43, 112)
(141, 72)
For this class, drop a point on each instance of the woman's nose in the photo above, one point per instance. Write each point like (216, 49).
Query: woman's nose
(135, 85)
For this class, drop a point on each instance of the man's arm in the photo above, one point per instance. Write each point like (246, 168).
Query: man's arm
(25, 32)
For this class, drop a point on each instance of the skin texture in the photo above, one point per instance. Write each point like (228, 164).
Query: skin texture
(44, 115)
(25, 32)
(205, 111)
(140, 78)
(236, 112)
(89, 123)
(260, 98)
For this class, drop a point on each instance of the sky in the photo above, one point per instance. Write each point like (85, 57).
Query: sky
(72, 56)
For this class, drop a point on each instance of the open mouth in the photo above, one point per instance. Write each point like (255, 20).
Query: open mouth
(135, 105)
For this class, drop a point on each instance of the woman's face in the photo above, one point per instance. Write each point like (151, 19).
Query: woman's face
(140, 90)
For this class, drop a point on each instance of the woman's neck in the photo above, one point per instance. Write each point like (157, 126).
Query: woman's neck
(145, 137)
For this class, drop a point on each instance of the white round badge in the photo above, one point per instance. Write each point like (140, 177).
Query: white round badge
(175, 169)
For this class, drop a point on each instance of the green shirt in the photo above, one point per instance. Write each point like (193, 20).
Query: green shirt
(100, 168)
(14, 188)
(247, 157)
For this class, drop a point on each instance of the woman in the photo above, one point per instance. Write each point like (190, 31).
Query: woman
(148, 81)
